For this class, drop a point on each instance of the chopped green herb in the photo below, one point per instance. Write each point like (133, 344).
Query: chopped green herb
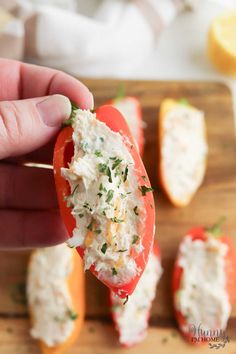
(103, 168)
(136, 210)
(100, 195)
(81, 215)
(98, 153)
(74, 109)
(104, 213)
(72, 314)
(109, 175)
(102, 139)
(144, 178)
(135, 239)
(121, 251)
(98, 231)
(126, 173)
(84, 146)
(116, 163)
(122, 195)
(70, 246)
(90, 226)
(114, 271)
(87, 206)
(144, 189)
(115, 219)
(110, 195)
(104, 248)
(102, 188)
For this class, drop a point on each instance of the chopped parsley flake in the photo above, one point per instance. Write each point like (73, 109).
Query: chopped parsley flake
(102, 139)
(102, 188)
(98, 231)
(115, 219)
(114, 271)
(72, 314)
(110, 195)
(126, 173)
(81, 215)
(135, 239)
(116, 163)
(84, 146)
(144, 189)
(144, 178)
(98, 153)
(90, 226)
(104, 248)
(136, 210)
(103, 168)
(87, 206)
(121, 251)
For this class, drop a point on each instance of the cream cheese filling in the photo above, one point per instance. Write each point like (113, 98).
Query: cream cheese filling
(132, 318)
(202, 297)
(105, 200)
(48, 294)
(128, 109)
(183, 151)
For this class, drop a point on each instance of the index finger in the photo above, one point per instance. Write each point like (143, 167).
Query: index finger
(21, 81)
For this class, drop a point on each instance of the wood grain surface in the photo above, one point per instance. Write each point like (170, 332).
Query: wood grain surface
(215, 198)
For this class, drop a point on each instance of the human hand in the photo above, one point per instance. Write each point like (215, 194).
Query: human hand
(32, 110)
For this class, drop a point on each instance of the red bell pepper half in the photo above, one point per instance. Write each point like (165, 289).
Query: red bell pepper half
(63, 153)
(200, 233)
(134, 336)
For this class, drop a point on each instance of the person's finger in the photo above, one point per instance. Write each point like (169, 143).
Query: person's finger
(26, 125)
(26, 187)
(26, 229)
(21, 81)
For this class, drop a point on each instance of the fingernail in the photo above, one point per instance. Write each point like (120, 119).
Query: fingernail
(54, 110)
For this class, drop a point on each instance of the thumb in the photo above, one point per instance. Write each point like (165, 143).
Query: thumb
(26, 125)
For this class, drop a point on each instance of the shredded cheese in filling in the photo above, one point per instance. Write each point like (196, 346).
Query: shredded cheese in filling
(48, 294)
(202, 297)
(105, 200)
(132, 318)
(183, 151)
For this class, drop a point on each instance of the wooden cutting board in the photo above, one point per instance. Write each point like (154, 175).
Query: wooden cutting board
(216, 197)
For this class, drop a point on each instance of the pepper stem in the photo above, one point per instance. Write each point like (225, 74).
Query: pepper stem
(120, 92)
(74, 109)
(216, 230)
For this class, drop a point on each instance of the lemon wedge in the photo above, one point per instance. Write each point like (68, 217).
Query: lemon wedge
(222, 43)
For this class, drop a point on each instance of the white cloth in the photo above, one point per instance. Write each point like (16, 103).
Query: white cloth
(116, 39)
